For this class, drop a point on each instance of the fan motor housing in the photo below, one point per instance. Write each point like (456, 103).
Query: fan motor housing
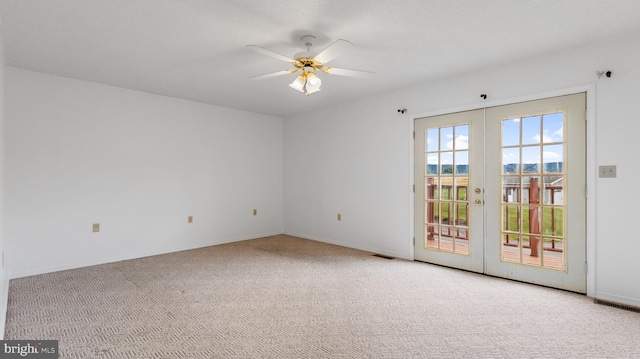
(302, 62)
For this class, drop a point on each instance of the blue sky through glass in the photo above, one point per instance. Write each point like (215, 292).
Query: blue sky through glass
(530, 132)
(511, 132)
(462, 137)
(552, 127)
(446, 138)
(432, 140)
(443, 146)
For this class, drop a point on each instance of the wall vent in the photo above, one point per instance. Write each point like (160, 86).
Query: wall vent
(630, 308)
(382, 256)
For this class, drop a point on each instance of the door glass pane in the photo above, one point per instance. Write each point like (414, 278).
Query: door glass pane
(511, 132)
(511, 160)
(531, 159)
(431, 164)
(432, 135)
(462, 162)
(431, 214)
(462, 138)
(531, 250)
(446, 239)
(446, 163)
(431, 188)
(511, 219)
(446, 138)
(530, 219)
(446, 189)
(461, 229)
(530, 190)
(511, 189)
(552, 127)
(533, 194)
(552, 220)
(553, 249)
(511, 248)
(531, 130)
(462, 187)
(462, 212)
(553, 190)
(445, 213)
(552, 158)
(431, 233)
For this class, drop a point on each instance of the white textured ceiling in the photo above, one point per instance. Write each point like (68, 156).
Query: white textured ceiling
(194, 49)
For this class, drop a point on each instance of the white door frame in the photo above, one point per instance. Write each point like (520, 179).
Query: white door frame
(591, 172)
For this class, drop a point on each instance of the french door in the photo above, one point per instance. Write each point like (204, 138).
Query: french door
(449, 190)
(501, 191)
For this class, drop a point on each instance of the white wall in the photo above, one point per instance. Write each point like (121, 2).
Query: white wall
(80, 153)
(356, 159)
(353, 161)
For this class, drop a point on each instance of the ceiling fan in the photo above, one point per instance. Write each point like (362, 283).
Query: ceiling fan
(309, 62)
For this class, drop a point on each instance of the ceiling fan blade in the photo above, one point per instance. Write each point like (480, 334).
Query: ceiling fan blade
(273, 74)
(350, 73)
(333, 50)
(273, 54)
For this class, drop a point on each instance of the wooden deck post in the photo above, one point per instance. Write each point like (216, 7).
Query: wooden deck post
(430, 207)
(534, 224)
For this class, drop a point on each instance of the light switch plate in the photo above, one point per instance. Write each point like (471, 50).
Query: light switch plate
(607, 171)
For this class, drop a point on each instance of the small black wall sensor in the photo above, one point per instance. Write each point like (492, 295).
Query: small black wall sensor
(603, 73)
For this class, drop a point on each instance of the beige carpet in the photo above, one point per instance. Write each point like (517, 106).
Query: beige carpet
(285, 297)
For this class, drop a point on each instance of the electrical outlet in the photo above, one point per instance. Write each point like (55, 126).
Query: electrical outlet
(96, 227)
(255, 212)
(190, 219)
(607, 171)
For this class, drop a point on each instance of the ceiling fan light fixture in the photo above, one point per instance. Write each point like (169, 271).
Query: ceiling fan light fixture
(313, 83)
(299, 83)
(313, 80)
(308, 83)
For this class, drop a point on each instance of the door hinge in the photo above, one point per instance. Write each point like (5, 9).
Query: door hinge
(586, 267)
(414, 188)
(414, 241)
(414, 135)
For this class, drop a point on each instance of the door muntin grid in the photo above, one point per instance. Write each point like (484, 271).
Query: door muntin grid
(533, 181)
(446, 183)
